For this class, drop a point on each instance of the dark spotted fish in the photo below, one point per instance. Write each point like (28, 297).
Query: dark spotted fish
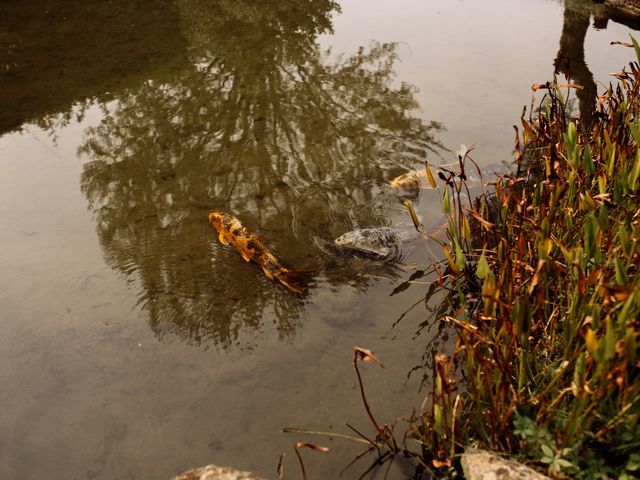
(231, 231)
(381, 242)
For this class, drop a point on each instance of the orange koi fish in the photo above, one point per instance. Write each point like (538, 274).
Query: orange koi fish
(231, 231)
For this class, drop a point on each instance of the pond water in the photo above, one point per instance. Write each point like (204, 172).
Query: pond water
(133, 344)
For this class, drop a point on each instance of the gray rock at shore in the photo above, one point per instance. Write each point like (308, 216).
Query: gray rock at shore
(483, 465)
(213, 472)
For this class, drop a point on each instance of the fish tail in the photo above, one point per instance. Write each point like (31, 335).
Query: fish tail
(295, 280)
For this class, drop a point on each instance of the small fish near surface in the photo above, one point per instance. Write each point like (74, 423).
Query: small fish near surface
(410, 184)
(382, 242)
(231, 231)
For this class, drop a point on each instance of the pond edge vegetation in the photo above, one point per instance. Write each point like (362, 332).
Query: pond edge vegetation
(543, 275)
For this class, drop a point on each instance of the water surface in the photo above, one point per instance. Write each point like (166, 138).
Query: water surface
(133, 345)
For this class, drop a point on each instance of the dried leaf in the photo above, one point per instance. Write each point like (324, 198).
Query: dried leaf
(522, 245)
(442, 359)
(518, 156)
(280, 468)
(312, 446)
(462, 152)
(536, 276)
(414, 215)
(594, 276)
(441, 463)
(432, 181)
(581, 283)
(601, 197)
(366, 356)
(624, 44)
(528, 134)
(591, 340)
(621, 295)
(484, 222)
(452, 264)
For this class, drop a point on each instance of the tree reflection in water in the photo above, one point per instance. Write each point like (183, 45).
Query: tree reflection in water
(571, 60)
(265, 126)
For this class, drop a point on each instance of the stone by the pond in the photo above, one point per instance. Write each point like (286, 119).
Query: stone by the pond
(213, 472)
(483, 465)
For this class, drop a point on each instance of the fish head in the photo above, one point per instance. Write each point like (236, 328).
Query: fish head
(223, 222)
(217, 220)
(406, 180)
(407, 185)
(347, 240)
(379, 242)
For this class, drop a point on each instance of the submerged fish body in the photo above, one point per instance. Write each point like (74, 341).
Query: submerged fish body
(381, 242)
(410, 183)
(232, 232)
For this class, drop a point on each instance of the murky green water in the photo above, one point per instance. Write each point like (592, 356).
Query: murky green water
(133, 345)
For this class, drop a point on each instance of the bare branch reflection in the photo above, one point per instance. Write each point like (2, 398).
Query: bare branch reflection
(293, 141)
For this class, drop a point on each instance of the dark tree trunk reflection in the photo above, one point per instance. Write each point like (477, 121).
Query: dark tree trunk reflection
(571, 59)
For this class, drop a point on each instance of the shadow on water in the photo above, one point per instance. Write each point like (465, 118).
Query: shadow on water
(54, 55)
(295, 142)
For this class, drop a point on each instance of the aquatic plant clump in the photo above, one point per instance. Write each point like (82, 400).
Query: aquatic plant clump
(546, 365)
